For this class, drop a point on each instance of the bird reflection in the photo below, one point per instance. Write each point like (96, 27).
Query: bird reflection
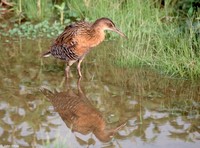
(79, 114)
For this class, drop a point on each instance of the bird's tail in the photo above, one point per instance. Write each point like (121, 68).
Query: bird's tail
(46, 54)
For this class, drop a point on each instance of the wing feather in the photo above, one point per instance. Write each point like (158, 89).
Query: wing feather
(65, 45)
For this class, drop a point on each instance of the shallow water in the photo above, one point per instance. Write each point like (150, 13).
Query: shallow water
(158, 111)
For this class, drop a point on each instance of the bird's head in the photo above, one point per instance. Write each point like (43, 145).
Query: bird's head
(107, 24)
(106, 135)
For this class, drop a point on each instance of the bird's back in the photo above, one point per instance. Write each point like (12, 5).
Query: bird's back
(71, 43)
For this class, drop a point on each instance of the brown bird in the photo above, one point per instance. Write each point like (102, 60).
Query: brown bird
(77, 40)
(80, 115)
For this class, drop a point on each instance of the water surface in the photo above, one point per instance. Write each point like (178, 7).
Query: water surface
(159, 111)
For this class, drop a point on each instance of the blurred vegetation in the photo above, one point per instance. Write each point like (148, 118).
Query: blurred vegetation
(38, 11)
(163, 34)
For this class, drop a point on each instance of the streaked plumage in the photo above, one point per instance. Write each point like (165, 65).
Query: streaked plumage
(80, 115)
(77, 39)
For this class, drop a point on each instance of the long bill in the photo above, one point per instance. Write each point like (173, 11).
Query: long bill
(120, 33)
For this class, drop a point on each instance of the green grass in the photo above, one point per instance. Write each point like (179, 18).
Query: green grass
(155, 37)
(37, 10)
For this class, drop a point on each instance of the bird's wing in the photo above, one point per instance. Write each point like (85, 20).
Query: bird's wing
(65, 45)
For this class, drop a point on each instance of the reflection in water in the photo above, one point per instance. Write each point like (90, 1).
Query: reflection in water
(160, 111)
(79, 114)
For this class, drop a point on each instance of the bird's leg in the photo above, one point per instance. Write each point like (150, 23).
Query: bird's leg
(79, 66)
(67, 83)
(69, 63)
(79, 87)
(67, 70)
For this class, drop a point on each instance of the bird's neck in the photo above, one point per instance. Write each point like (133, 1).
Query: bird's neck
(97, 35)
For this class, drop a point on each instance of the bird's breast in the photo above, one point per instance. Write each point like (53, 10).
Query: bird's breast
(97, 38)
(86, 41)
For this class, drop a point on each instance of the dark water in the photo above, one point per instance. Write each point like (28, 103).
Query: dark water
(158, 111)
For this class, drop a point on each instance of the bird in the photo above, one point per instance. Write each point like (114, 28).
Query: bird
(79, 114)
(78, 39)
